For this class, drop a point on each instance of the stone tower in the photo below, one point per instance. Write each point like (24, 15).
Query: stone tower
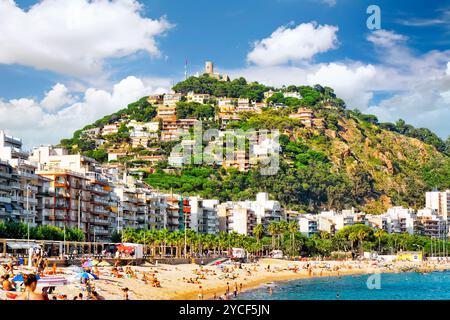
(209, 67)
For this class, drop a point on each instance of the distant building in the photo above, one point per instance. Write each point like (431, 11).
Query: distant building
(439, 201)
(209, 70)
(198, 97)
(171, 99)
(110, 129)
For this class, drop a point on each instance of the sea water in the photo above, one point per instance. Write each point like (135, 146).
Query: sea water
(392, 286)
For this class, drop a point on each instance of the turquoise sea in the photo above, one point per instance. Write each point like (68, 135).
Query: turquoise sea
(392, 286)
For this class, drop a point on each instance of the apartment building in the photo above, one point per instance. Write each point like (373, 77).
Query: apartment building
(79, 186)
(203, 215)
(110, 129)
(236, 218)
(292, 94)
(171, 99)
(24, 188)
(308, 224)
(201, 98)
(243, 216)
(155, 99)
(439, 201)
(128, 207)
(402, 220)
(9, 184)
(172, 216)
(429, 223)
(331, 221)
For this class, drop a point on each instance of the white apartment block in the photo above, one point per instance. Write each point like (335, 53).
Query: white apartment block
(203, 215)
(308, 224)
(110, 129)
(292, 95)
(171, 99)
(198, 97)
(439, 201)
(243, 216)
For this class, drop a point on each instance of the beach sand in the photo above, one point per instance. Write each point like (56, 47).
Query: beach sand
(174, 287)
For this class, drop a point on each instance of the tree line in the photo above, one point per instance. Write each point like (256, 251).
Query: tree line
(348, 241)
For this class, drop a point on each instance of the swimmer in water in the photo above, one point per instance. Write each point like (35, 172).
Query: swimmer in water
(270, 290)
(337, 296)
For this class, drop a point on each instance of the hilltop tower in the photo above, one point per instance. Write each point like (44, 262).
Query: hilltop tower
(209, 67)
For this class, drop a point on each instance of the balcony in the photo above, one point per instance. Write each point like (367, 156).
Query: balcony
(101, 221)
(4, 174)
(98, 189)
(96, 199)
(5, 199)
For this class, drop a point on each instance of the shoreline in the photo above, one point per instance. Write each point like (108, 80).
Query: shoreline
(192, 282)
(282, 278)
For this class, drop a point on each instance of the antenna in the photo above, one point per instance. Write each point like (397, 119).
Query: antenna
(185, 70)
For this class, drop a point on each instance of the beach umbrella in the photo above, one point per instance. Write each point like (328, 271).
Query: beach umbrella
(87, 275)
(88, 264)
(19, 278)
(104, 264)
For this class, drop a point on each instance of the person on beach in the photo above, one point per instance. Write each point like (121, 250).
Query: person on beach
(200, 293)
(7, 285)
(30, 283)
(270, 291)
(125, 293)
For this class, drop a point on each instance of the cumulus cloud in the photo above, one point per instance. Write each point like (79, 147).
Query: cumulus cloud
(57, 98)
(416, 85)
(75, 37)
(386, 38)
(296, 44)
(38, 124)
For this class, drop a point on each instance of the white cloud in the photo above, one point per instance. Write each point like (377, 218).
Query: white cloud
(75, 37)
(37, 124)
(331, 3)
(417, 85)
(385, 38)
(57, 98)
(349, 81)
(293, 45)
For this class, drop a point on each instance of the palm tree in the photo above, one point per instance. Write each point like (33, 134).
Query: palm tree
(293, 228)
(361, 235)
(379, 234)
(258, 232)
(163, 233)
(283, 226)
(273, 230)
(352, 237)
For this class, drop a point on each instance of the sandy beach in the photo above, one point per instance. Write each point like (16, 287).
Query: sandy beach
(182, 282)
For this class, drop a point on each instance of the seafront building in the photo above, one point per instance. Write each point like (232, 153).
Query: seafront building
(243, 216)
(49, 186)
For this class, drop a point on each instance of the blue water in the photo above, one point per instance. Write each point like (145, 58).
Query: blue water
(393, 286)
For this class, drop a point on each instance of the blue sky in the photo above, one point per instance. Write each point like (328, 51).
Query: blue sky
(386, 74)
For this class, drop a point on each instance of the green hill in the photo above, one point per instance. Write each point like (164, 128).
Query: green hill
(353, 160)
